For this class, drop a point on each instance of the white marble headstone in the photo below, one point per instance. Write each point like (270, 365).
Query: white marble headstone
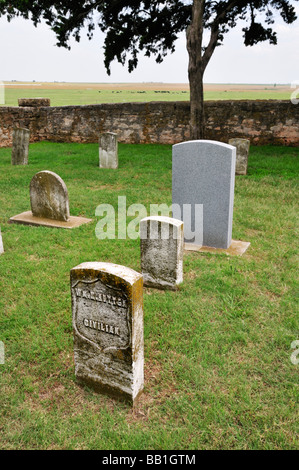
(162, 250)
(108, 150)
(242, 146)
(20, 146)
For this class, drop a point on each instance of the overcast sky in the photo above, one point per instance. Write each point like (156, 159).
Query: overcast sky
(29, 53)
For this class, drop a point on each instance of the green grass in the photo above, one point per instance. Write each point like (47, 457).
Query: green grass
(70, 97)
(218, 373)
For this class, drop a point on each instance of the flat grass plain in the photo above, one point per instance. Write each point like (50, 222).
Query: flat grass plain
(218, 369)
(67, 94)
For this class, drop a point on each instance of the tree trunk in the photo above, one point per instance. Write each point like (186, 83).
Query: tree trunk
(196, 71)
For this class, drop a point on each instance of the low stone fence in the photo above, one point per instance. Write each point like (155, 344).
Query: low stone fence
(262, 121)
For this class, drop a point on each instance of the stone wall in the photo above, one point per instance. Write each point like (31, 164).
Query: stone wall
(263, 122)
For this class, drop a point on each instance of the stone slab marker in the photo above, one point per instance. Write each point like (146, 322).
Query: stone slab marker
(1, 244)
(108, 152)
(20, 146)
(242, 146)
(162, 250)
(203, 173)
(49, 204)
(107, 306)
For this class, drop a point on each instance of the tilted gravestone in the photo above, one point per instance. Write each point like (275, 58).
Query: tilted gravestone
(1, 244)
(20, 146)
(49, 203)
(107, 307)
(203, 173)
(49, 196)
(162, 249)
(242, 146)
(108, 150)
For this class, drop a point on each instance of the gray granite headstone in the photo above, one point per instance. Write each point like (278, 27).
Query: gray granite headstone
(242, 146)
(203, 173)
(49, 196)
(162, 249)
(20, 146)
(1, 244)
(108, 151)
(107, 305)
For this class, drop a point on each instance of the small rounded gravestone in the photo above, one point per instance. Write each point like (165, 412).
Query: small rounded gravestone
(49, 196)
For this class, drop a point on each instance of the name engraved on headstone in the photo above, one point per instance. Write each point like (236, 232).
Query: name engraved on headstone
(100, 314)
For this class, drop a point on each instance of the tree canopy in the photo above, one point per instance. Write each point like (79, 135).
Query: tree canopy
(152, 28)
(149, 26)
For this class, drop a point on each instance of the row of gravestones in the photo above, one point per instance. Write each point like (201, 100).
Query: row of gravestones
(107, 310)
(107, 299)
(108, 150)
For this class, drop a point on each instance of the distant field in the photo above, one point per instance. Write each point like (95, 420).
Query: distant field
(63, 94)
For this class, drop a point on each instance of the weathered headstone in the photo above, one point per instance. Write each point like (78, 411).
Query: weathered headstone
(20, 146)
(108, 151)
(203, 173)
(242, 146)
(1, 244)
(49, 196)
(162, 250)
(107, 306)
(49, 204)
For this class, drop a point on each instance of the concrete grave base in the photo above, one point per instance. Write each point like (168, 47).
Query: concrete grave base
(159, 285)
(26, 218)
(237, 248)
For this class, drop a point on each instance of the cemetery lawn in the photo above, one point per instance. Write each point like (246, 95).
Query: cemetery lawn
(218, 369)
